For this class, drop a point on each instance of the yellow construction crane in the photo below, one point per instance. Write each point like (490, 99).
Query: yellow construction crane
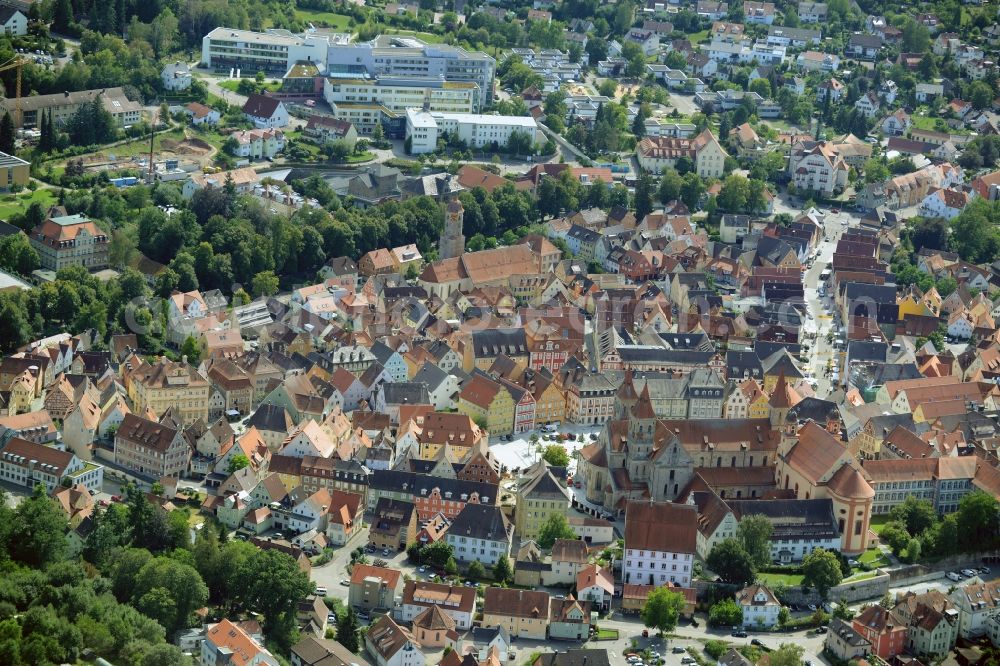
(17, 62)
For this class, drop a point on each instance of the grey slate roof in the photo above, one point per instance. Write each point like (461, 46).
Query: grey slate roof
(479, 521)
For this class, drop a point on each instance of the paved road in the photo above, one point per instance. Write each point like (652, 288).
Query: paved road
(212, 81)
(821, 318)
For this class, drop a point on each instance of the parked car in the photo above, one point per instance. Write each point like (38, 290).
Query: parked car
(812, 607)
(739, 633)
(345, 582)
(757, 642)
(320, 591)
(951, 575)
(968, 573)
(677, 649)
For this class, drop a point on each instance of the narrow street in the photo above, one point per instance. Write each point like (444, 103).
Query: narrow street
(821, 317)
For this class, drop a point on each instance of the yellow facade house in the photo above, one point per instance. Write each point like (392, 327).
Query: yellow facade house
(550, 402)
(165, 385)
(483, 399)
(539, 495)
(523, 613)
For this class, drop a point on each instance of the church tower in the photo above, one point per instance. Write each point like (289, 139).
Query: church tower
(452, 243)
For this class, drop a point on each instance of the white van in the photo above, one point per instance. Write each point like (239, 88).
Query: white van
(551, 427)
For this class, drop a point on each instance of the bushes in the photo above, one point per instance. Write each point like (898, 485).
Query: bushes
(726, 613)
(716, 648)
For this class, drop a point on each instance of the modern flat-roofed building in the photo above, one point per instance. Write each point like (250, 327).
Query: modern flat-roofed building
(274, 51)
(13, 171)
(424, 127)
(61, 106)
(70, 240)
(403, 56)
(365, 101)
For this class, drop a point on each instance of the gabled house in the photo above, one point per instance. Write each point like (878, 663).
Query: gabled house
(522, 613)
(390, 644)
(480, 533)
(760, 606)
(569, 619)
(265, 112)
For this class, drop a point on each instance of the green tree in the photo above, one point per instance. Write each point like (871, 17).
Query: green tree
(237, 462)
(731, 563)
(875, 171)
(643, 196)
(62, 16)
(264, 283)
(977, 521)
(476, 570)
(555, 527)
(784, 615)
(754, 534)
(520, 143)
(7, 134)
(670, 186)
(692, 191)
(916, 514)
(171, 589)
(192, 349)
(662, 609)
(981, 94)
(916, 37)
(895, 535)
(274, 584)
(437, 554)
(928, 232)
(451, 567)
(821, 570)
(974, 234)
(17, 255)
(734, 193)
(912, 550)
(787, 654)
(502, 573)
(36, 536)
(716, 648)
(556, 455)
(725, 613)
(347, 630)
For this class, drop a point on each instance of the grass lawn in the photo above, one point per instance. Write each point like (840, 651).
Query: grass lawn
(783, 126)
(355, 158)
(873, 557)
(861, 575)
(878, 523)
(429, 37)
(325, 19)
(790, 580)
(18, 203)
(924, 122)
(233, 85)
(606, 635)
(698, 37)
